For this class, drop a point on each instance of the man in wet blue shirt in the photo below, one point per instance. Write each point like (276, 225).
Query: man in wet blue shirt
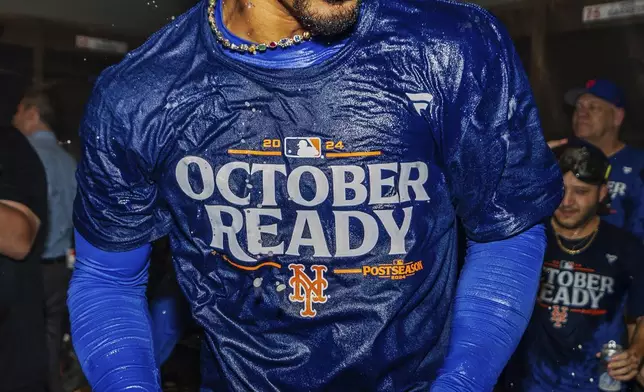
(598, 117)
(308, 160)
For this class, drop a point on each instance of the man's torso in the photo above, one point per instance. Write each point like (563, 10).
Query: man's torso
(315, 204)
(626, 190)
(580, 307)
(311, 218)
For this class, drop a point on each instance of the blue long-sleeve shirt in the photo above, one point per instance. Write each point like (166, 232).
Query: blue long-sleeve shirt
(60, 168)
(311, 211)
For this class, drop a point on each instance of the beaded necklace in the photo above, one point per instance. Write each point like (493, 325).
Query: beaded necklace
(252, 48)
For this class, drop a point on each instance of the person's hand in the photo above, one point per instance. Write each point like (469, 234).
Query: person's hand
(624, 366)
(557, 143)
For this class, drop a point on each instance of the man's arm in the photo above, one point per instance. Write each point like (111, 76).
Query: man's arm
(18, 230)
(110, 322)
(23, 195)
(557, 143)
(118, 212)
(504, 180)
(494, 301)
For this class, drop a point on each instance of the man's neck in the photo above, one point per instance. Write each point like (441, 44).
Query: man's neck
(259, 20)
(609, 145)
(580, 232)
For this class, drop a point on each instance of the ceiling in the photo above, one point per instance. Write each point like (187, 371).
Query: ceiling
(134, 17)
(493, 3)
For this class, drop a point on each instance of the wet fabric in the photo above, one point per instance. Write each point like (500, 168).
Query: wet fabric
(312, 211)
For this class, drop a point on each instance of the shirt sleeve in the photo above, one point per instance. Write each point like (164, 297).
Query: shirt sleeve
(22, 176)
(118, 205)
(503, 177)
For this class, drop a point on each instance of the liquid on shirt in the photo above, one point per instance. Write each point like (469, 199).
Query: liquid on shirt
(311, 211)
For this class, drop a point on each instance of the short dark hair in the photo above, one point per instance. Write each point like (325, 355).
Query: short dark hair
(42, 100)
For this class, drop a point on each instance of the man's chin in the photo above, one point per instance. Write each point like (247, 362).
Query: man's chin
(568, 223)
(583, 132)
(328, 17)
(336, 3)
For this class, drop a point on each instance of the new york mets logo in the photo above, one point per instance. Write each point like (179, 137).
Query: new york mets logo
(307, 290)
(559, 315)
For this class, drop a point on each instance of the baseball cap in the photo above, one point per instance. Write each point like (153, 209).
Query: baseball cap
(601, 88)
(587, 162)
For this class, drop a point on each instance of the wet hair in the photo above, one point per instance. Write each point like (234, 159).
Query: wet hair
(42, 100)
(587, 162)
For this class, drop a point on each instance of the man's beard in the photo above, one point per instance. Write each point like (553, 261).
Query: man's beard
(331, 24)
(580, 223)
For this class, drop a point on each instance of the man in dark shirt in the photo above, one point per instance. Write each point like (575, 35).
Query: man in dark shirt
(591, 278)
(23, 215)
(35, 118)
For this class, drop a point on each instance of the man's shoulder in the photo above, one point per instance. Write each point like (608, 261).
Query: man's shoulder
(144, 77)
(10, 134)
(17, 154)
(635, 153)
(621, 245)
(620, 238)
(446, 20)
(14, 143)
(630, 161)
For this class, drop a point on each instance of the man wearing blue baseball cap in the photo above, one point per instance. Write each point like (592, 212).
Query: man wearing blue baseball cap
(598, 116)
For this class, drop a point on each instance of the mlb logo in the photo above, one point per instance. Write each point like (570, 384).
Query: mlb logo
(627, 170)
(568, 265)
(303, 147)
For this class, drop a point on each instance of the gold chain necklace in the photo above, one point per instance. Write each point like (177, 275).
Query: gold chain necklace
(573, 252)
(253, 48)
